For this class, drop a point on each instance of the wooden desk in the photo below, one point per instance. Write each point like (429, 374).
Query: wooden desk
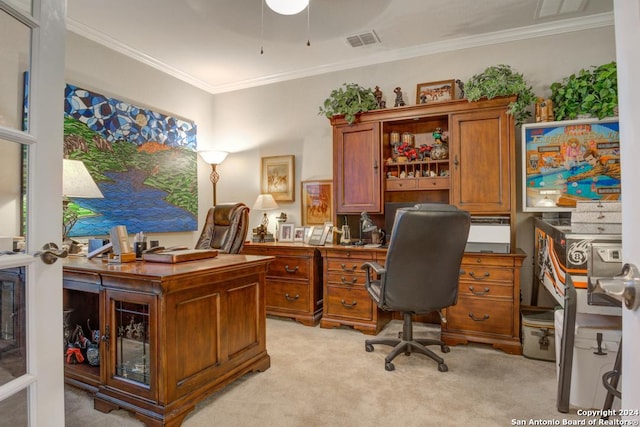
(170, 334)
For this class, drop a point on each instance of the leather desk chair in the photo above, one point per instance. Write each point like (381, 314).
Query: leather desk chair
(225, 228)
(421, 273)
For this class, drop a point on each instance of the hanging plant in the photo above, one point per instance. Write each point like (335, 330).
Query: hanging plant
(592, 92)
(349, 100)
(501, 80)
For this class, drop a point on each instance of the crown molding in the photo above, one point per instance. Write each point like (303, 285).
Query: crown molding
(497, 37)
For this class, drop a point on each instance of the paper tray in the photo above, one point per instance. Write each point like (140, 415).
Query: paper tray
(172, 257)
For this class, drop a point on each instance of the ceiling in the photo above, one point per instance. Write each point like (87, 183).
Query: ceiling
(216, 44)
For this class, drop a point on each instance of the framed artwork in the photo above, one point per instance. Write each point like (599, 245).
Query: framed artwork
(426, 93)
(317, 202)
(569, 161)
(317, 235)
(298, 234)
(278, 177)
(285, 233)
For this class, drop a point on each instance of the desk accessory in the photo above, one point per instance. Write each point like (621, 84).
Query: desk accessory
(181, 255)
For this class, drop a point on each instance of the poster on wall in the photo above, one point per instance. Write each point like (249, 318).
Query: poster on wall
(144, 162)
(570, 161)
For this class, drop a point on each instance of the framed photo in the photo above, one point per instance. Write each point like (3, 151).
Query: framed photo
(317, 202)
(317, 235)
(285, 233)
(444, 90)
(278, 177)
(569, 161)
(298, 234)
(329, 238)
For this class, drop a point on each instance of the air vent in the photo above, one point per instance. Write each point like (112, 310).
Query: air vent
(363, 39)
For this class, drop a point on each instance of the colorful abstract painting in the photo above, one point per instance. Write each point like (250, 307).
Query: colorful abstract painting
(144, 162)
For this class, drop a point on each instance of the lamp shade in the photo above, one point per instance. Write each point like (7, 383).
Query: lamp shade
(265, 202)
(287, 7)
(213, 157)
(77, 181)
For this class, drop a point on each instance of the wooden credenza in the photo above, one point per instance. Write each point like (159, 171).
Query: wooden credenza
(169, 334)
(294, 280)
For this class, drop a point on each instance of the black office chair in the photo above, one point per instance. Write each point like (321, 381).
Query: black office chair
(225, 228)
(421, 273)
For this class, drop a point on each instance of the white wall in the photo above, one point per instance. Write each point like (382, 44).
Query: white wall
(282, 119)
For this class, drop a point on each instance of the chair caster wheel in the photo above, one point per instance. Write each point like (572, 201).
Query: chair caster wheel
(368, 347)
(389, 366)
(445, 349)
(442, 367)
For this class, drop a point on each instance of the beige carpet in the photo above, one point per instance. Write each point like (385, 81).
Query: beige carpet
(324, 377)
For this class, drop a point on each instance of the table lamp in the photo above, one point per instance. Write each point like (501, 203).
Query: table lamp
(264, 202)
(366, 225)
(214, 158)
(76, 183)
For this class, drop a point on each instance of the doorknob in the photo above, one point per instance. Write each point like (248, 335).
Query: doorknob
(50, 253)
(624, 287)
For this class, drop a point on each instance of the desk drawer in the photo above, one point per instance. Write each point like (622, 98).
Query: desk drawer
(485, 290)
(285, 295)
(350, 303)
(289, 267)
(349, 266)
(481, 315)
(485, 273)
(346, 279)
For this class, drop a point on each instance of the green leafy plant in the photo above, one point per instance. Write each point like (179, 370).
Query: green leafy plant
(502, 80)
(348, 100)
(592, 91)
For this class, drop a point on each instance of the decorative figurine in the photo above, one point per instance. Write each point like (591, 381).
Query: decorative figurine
(399, 100)
(460, 85)
(440, 149)
(378, 95)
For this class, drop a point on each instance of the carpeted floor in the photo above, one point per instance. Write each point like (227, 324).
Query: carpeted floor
(324, 377)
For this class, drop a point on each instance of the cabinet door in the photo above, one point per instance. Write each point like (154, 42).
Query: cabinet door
(357, 168)
(130, 348)
(480, 154)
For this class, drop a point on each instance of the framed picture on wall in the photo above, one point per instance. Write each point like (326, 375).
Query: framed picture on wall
(427, 93)
(316, 202)
(278, 177)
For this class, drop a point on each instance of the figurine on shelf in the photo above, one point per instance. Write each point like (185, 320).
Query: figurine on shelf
(378, 95)
(424, 151)
(399, 100)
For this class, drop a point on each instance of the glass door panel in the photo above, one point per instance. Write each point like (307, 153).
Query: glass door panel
(14, 63)
(132, 342)
(13, 361)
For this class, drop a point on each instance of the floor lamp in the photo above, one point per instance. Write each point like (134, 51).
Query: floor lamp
(214, 158)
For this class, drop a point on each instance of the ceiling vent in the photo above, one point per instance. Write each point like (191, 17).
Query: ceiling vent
(363, 39)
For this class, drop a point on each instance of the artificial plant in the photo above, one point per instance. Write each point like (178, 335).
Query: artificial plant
(592, 92)
(502, 80)
(349, 100)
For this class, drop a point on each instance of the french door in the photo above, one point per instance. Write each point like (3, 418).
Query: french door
(32, 34)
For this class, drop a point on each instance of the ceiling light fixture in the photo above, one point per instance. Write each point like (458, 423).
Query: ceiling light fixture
(287, 7)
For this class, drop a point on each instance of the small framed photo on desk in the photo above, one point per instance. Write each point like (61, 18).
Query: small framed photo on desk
(285, 233)
(318, 235)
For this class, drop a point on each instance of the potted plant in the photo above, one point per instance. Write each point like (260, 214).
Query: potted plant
(592, 92)
(501, 80)
(349, 100)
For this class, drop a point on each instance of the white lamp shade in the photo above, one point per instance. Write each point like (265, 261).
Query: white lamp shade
(287, 7)
(265, 202)
(213, 157)
(77, 181)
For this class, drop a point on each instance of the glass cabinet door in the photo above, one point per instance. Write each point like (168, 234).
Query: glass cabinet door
(131, 342)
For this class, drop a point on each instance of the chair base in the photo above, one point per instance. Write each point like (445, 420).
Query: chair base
(407, 345)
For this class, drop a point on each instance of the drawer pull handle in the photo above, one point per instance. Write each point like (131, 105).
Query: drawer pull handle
(345, 282)
(350, 270)
(344, 303)
(290, 298)
(288, 270)
(484, 276)
(476, 319)
(472, 289)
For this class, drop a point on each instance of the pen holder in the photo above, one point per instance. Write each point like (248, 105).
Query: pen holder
(139, 247)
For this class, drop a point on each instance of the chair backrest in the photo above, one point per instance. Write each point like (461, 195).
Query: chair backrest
(424, 257)
(225, 228)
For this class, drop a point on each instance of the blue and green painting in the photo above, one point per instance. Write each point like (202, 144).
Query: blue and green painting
(144, 162)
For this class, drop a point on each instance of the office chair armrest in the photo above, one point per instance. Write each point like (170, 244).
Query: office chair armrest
(368, 266)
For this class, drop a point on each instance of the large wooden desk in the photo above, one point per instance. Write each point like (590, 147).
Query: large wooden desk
(170, 334)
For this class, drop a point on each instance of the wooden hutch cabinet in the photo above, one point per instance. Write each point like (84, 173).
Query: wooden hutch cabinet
(167, 335)
(294, 280)
(478, 175)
